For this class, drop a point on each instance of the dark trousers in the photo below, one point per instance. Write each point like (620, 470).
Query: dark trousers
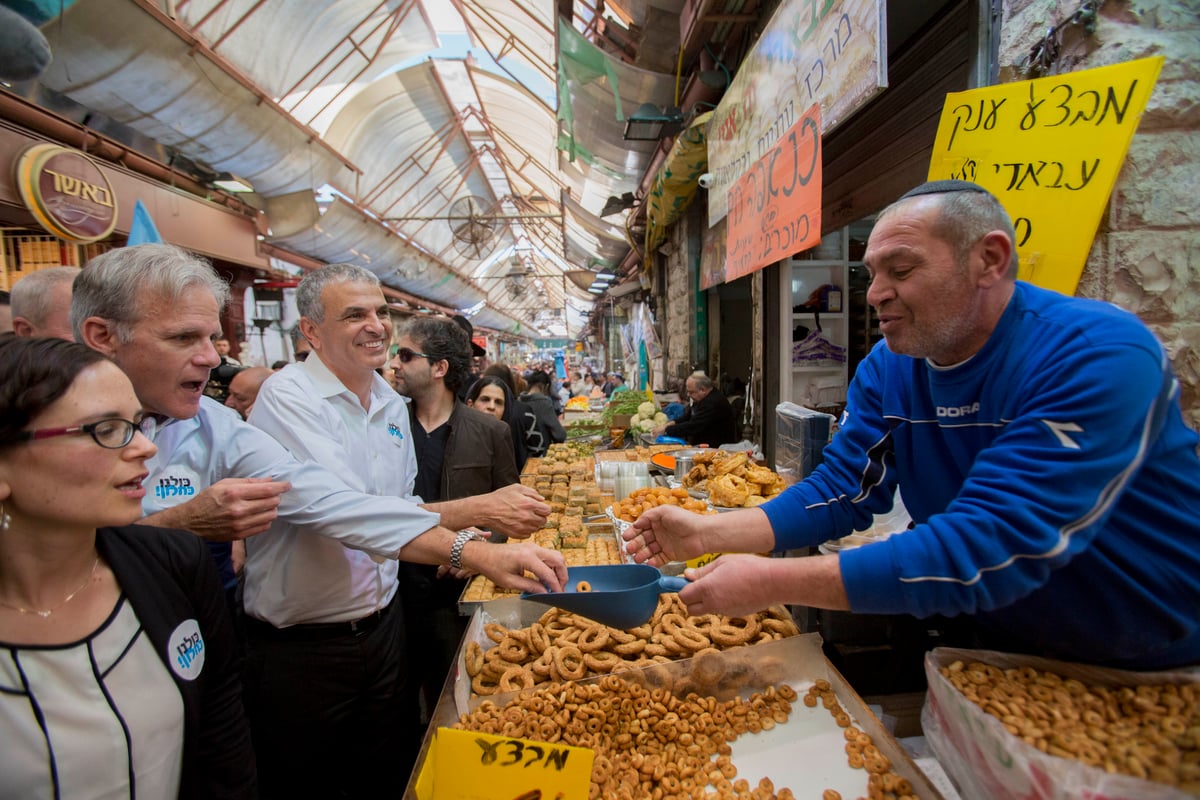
(330, 713)
(433, 626)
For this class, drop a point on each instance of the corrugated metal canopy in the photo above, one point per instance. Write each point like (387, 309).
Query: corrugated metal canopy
(336, 97)
(116, 58)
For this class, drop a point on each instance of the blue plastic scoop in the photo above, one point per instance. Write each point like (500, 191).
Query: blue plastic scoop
(621, 595)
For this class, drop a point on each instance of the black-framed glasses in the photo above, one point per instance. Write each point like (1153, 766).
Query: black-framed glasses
(406, 355)
(112, 434)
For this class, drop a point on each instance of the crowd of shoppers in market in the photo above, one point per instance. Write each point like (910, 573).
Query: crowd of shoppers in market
(1058, 509)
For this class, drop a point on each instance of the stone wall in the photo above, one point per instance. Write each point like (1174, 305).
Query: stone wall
(677, 306)
(1146, 256)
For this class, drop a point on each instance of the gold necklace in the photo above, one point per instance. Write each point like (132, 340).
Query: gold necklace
(47, 612)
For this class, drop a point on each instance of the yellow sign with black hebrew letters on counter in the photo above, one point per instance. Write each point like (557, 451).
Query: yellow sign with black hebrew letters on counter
(465, 765)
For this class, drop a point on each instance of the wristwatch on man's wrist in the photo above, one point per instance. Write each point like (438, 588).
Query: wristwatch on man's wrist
(460, 541)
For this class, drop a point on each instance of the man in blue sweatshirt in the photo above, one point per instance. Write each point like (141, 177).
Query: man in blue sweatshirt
(1036, 439)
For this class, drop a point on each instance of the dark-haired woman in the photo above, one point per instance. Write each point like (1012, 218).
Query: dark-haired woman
(118, 672)
(489, 395)
(510, 413)
(541, 424)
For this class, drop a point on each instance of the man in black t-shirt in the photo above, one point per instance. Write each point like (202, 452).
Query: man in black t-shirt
(460, 452)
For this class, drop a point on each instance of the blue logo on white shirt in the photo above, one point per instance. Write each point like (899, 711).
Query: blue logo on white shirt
(394, 430)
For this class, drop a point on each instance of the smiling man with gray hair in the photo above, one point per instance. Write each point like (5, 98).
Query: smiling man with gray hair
(1037, 441)
(326, 670)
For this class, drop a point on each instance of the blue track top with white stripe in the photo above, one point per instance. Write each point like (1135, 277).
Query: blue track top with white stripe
(1055, 487)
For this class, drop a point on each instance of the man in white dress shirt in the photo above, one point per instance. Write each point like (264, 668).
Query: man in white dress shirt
(155, 309)
(335, 410)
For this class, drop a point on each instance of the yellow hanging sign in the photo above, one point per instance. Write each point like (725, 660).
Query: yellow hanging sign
(1050, 149)
(465, 765)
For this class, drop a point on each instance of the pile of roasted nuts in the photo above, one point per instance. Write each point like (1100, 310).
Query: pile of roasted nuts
(1149, 732)
(649, 742)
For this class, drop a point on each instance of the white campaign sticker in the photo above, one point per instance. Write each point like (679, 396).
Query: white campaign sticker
(175, 484)
(185, 650)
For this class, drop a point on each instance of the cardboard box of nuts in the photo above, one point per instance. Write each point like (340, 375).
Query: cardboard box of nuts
(1004, 725)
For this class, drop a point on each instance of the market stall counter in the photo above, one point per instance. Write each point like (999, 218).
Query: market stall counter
(773, 717)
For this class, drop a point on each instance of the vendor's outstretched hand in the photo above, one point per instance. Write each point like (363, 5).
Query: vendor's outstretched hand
(665, 533)
(507, 564)
(734, 585)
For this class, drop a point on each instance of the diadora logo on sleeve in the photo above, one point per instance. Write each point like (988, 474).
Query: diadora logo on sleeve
(176, 483)
(954, 412)
(394, 431)
(185, 650)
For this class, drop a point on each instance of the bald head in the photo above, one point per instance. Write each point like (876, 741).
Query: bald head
(243, 389)
(41, 303)
(963, 213)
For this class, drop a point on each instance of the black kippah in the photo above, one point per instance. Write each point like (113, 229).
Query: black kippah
(944, 187)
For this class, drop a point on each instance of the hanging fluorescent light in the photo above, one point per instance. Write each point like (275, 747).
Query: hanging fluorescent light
(651, 123)
(595, 290)
(606, 276)
(229, 182)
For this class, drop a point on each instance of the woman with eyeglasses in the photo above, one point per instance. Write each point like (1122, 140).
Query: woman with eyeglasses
(118, 672)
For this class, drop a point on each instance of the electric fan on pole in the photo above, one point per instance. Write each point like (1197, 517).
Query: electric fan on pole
(473, 222)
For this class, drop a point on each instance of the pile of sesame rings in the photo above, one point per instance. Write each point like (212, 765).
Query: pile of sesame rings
(562, 646)
(861, 753)
(649, 742)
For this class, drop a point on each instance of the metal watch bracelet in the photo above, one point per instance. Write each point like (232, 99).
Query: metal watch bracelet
(460, 541)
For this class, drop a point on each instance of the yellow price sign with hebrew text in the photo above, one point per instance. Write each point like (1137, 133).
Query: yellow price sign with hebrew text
(1050, 149)
(466, 765)
(700, 561)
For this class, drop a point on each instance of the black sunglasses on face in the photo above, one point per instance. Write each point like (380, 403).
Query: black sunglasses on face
(405, 355)
(112, 434)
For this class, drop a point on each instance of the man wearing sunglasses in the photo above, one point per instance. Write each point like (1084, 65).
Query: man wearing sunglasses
(155, 309)
(461, 452)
